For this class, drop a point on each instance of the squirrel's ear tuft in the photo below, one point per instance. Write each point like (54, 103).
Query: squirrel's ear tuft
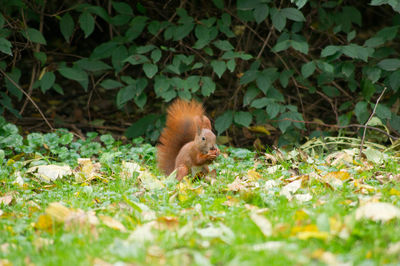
(198, 127)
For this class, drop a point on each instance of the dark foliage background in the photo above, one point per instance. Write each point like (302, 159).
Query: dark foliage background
(267, 71)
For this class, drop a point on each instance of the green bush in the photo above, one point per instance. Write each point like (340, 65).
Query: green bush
(253, 62)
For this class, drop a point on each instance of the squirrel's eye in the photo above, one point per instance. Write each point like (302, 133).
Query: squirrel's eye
(203, 138)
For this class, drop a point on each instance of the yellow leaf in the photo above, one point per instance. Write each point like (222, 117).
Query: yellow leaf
(58, 212)
(167, 222)
(300, 215)
(253, 175)
(263, 223)
(260, 129)
(394, 191)
(308, 235)
(342, 175)
(112, 223)
(45, 223)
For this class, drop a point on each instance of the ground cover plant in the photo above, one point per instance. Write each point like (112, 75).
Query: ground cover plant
(97, 201)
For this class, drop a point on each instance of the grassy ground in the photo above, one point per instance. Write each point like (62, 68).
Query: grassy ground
(300, 209)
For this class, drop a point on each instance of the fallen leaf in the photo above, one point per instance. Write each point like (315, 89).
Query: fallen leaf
(50, 172)
(312, 234)
(326, 257)
(58, 212)
(6, 199)
(252, 175)
(237, 185)
(112, 223)
(44, 223)
(394, 248)
(303, 197)
(143, 233)
(270, 246)
(128, 169)
(167, 222)
(219, 231)
(290, 189)
(87, 170)
(378, 211)
(263, 223)
(40, 242)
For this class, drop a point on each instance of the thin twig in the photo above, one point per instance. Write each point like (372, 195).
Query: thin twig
(29, 97)
(370, 117)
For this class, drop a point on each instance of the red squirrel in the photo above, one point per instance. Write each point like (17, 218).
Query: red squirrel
(187, 140)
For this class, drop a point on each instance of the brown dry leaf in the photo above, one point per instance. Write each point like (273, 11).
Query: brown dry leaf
(167, 222)
(58, 212)
(112, 223)
(335, 179)
(341, 157)
(6, 199)
(378, 211)
(326, 257)
(143, 233)
(231, 201)
(263, 223)
(270, 159)
(87, 170)
(237, 185)
(50, 172)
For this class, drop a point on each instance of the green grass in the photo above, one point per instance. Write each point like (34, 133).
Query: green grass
(191, 223)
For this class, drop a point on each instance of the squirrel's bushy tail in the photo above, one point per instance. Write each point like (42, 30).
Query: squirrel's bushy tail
(183, 118)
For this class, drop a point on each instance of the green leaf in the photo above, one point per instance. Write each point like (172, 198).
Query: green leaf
(281, 46)
(86, 22)
(285, 76)
(308, 69)
(219, 3)
(15, 75)
(273, 109)
(109, 84)
(137, 59)
(260, 13)
(395, 122)
(348, 69)
(266, 78)
(67, 26)
(150, 70)
(391, 64)
(219, 67)
(103, 50)
(260, 103)
(223, 45)
(136, 27)
(361, 111)
(122, 8)
(34, 36)
(117, 56)
(47, 81)
(278, 20)
(125, 95)
(293, 14)
(208, 86)
(250, 94)
(329, 50)
(394, 80)
(155, 55)
(243, 118)
(75, 74)
(41, 56)
(5, 46)
(141, 100)
(331, 91)
(300, 46)
(231, 64)
(224, 121)
(383, 112)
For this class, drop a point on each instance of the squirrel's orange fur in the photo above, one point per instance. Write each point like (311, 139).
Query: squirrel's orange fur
(187, 136)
